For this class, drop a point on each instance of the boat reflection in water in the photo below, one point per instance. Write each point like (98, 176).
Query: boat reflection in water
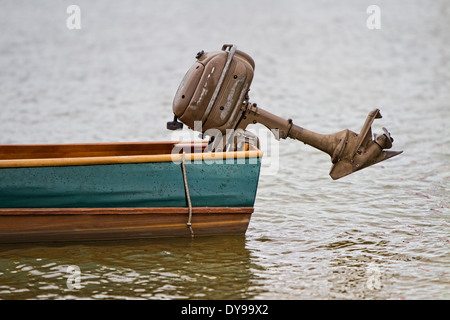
(216, 267)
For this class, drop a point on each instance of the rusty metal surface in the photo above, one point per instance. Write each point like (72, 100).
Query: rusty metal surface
(214, 96)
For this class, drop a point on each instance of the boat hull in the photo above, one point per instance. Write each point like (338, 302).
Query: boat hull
(123, 191)
(152, 184)
(42, 225)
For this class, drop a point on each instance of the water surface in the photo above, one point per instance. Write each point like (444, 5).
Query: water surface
(382, 233)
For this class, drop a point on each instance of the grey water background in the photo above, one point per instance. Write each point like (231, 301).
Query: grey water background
(381, 233)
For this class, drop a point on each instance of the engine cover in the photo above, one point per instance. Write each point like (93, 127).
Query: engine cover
(214, 89)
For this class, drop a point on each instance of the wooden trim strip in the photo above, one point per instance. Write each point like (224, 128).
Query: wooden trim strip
(94, 144)
(124, 211)
(80, 161)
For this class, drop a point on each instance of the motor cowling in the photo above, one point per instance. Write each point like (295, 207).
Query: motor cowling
(214, 89)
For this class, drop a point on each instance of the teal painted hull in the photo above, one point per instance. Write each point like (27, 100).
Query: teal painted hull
(152, 184)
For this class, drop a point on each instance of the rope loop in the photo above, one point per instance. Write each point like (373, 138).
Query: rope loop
(188, 197)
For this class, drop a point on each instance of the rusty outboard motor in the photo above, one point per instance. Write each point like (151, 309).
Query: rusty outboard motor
(213, 99)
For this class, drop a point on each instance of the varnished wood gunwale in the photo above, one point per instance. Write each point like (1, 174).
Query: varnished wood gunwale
(34, 225)
(17, 156)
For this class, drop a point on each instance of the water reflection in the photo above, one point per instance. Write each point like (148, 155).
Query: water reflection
(359, 267)
(198, 268)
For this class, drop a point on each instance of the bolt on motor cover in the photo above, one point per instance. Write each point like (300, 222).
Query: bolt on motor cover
(214, 89)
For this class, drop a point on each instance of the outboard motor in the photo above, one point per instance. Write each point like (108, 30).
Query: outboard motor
(213, 99)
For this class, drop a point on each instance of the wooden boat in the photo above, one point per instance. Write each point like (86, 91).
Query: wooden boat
(138, 190)
(68, 192)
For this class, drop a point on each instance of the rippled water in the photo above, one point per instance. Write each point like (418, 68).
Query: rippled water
(382, 233)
